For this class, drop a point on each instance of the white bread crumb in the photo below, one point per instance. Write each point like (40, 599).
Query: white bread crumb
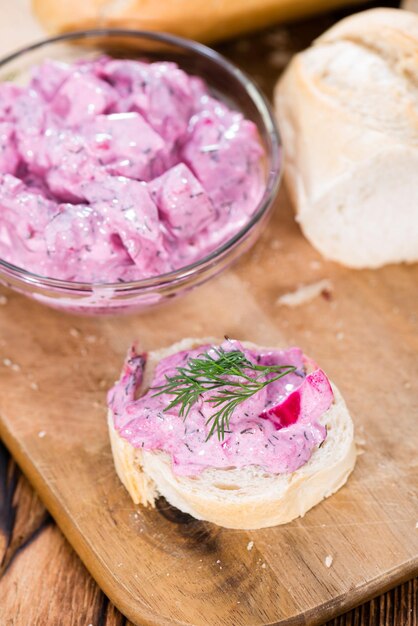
(305, 293)
(250, 545)
(41, 434)
(328, 560)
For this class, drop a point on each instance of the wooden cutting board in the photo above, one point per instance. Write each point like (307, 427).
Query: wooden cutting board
(162, 567)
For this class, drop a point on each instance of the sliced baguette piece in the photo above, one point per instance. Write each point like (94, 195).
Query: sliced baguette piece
(347, 108)
(246, 498)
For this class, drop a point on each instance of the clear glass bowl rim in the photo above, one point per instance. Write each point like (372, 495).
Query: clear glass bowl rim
(272, 182)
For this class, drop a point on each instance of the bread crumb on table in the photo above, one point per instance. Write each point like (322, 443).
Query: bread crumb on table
(41, 434)
(315, 265)
(305, 293)
(3, 300)
(328, 560)
(276, 244)
(250, 545)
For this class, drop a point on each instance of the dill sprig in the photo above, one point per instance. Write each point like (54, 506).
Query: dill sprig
(228, 374)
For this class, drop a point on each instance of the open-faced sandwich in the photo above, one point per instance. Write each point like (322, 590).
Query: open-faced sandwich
(229, 432)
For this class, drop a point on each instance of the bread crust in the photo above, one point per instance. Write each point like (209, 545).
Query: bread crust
(246, 498)
(347, 109)
(218, 19)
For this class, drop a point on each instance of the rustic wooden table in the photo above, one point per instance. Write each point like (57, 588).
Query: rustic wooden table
(42, 581)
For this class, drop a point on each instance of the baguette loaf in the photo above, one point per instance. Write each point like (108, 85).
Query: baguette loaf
(348, 112)
(207, 21)
(245, 498)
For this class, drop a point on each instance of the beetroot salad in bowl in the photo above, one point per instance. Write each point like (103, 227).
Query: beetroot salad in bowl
(133, 167)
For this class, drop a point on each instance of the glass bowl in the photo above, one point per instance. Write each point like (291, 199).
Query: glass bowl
(229, 84)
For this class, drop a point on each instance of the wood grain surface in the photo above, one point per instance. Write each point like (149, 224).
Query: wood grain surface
(367, 326)
(37, 562)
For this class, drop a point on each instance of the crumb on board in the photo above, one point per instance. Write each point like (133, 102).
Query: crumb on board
(315, 265)
(250, 545)
(34, 385)
(3, 300)
(13, 366)
(416, 525)
(340, 336)
(41, 434)
(263, 565)
(305, 293)
(74, 333)
(328, 560)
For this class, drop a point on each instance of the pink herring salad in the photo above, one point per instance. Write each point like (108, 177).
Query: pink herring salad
(277, 428)
(115, 170)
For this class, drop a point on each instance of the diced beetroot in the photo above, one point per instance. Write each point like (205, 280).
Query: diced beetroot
(9, 93)
(48, 77)
(130, 212)
(182, 201)
(97, 96)
(9, 157)
(127, 145)
(307, 403)
(130, 380)
(214, 152)
(161, 92)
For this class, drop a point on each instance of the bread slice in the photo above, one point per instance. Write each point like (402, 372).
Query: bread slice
(347, 109)
(245, 498)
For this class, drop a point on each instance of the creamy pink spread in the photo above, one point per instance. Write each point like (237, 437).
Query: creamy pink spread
(117, 170)
(277, 428)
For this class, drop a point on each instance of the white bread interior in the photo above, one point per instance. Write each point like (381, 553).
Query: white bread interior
(245, 498)
(347, 109)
